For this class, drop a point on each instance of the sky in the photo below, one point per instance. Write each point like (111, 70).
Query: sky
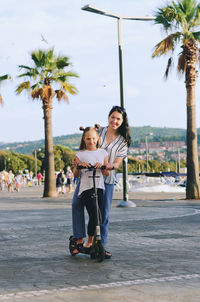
(91, 43)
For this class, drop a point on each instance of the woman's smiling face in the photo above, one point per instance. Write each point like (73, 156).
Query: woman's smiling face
(115, 120)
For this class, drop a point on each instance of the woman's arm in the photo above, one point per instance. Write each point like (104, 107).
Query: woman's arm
(106, 172)
(115, 165)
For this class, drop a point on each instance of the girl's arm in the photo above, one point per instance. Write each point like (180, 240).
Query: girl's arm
(76, 161)
(75, 170)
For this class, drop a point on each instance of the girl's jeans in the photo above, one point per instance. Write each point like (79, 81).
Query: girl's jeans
(78, 217)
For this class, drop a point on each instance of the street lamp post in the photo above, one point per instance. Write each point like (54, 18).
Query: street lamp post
(147, 151)
(36, 163)
(89, 8)
(146, 143)
(179, 161)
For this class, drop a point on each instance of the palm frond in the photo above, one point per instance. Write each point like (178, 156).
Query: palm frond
(22, 86)
(181, 64)
(26, 74)
(188, 11)
(62, 76)
(165, 17)
(35, 94)
(1, 100)
(196, 35)
(72, 74)
(24, 67)
(166, 45)
(169, 67)
(60, 94)
(70, 88)
(35, 86)
(30, 73)
(40, 57)
(62, 62)
(5, 77)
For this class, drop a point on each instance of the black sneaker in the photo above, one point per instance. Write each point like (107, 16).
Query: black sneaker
(108, 255)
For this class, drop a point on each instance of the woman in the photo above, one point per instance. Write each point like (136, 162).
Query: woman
(115, 139)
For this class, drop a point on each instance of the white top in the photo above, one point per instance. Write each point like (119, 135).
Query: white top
(92, 157)
(118, 148)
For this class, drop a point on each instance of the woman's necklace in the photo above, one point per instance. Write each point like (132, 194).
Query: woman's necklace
(111, 137)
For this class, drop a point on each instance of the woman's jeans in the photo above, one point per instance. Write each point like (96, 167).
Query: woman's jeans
(78, 217)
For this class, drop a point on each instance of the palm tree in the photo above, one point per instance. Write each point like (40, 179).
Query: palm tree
(181, 21)
(45, 80)
(3, 78)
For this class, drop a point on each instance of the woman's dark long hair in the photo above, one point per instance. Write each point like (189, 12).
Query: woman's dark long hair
(124, 129)
(85, 130)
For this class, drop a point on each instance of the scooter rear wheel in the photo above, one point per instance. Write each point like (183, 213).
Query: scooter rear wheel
(73, 245)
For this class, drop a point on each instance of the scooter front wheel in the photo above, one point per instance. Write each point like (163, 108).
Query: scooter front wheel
(99, 251)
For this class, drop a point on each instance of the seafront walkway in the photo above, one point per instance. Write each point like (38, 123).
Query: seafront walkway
(155, 247)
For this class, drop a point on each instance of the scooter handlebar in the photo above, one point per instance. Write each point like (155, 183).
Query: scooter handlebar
(91, 168)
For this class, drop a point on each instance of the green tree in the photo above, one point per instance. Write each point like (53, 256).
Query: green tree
(135, 165)
(181, 21)
(17, 162)
(45, 80)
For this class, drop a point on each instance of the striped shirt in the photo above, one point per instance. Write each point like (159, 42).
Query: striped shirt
(118, 148)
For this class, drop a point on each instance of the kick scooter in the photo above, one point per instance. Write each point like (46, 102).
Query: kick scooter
(97, 250)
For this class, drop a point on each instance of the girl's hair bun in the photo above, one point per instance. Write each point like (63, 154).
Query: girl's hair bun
(97, 126)
(82, 129)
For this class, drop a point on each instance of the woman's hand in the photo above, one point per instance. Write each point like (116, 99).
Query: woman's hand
(110, 166)
(115, 165)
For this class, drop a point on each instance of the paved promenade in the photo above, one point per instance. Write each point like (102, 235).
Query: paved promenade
(155, 247)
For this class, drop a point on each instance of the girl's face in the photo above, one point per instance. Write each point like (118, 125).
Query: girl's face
(91, 140)
(115, 120)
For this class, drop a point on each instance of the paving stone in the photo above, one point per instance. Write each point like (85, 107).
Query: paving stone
(155, 247)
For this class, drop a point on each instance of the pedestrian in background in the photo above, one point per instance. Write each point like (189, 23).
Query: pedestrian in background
(69, 176)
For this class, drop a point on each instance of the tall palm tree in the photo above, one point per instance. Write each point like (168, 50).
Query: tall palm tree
(2, 79)
(181, 21)
(45, 80)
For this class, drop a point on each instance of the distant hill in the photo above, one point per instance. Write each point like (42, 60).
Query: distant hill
(156, 134)
(73, 140)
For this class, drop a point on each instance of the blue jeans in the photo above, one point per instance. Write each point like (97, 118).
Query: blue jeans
(78, 217)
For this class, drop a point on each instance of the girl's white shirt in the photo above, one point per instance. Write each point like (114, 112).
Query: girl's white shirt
(92, 157)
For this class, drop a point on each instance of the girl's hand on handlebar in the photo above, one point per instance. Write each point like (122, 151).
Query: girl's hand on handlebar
(84, 164)
(98, 165)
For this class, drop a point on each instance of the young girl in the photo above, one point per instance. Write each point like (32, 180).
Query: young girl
(90, 154)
